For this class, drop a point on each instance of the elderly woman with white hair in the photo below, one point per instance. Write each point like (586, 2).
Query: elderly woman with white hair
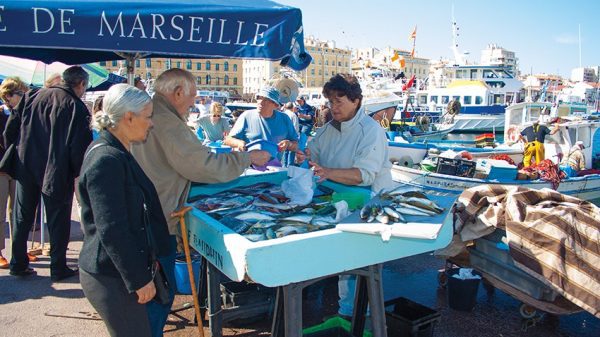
(122, 218)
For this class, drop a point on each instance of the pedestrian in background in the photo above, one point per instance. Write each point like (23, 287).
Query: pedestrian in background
(288, 109)
(116, 196)
(51, 128)
(214, 126)
(11, 92)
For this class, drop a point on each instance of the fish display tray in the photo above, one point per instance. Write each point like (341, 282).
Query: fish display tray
(300, 257)
(511, 275)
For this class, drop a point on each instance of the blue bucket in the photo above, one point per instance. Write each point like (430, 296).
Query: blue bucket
(182, 277)
(391, 135)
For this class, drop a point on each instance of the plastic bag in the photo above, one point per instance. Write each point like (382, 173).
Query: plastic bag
(299, 187)
(466, 274)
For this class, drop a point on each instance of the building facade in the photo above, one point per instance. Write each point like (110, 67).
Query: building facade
(494, 55)
(210, 74)
(586, 74)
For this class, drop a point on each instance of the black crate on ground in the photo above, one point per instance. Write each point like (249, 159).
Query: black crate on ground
(465, 168)
(408, 318)
(235, 294)
(446, 166)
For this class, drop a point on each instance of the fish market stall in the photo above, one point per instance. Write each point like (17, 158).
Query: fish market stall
(288, 260)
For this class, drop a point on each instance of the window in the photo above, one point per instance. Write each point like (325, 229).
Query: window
(235, 81)
(456, 98)
(235, 67)
(312, 71)
(312, 83)
(217, 66)
(208, 77)
(188, 64)
(423, 100)
(148, 63)
(102, 63)
(198, 80)
(198, 66)
(467, 100)
(207, 65)
(445, 99)
(168, 64)
(478, 100)
(226, 66)
(178, 64)
(148, 75)
(226, 80)
(433, 99)
(114, 63)
(326, 62)
(137, 63)
(339, 63)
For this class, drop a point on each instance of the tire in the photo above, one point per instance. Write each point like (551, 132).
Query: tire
(527, 311)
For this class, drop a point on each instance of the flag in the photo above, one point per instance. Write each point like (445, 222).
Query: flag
(412, 53)
(402, 62)
(395, 57)
(409, 84)
(413, 35)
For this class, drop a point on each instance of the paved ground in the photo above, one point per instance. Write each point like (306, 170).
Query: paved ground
(37, 307)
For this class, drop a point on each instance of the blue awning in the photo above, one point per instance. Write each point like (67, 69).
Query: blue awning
(84, 31)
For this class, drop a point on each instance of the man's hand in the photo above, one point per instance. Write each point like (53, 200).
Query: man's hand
(259, 157)
(302, 156)
(320, 171)
(286, 145)
(146, 293)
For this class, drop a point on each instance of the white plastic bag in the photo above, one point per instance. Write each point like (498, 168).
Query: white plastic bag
(299, 187)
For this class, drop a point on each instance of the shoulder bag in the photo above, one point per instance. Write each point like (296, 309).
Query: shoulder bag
(163, 292)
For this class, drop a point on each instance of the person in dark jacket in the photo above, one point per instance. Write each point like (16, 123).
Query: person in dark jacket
(115, 259)
(51, 128)
(11, 92)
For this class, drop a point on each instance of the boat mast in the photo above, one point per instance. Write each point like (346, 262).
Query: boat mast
(459, 58)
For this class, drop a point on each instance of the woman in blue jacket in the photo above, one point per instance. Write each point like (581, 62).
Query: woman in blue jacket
(115, 259)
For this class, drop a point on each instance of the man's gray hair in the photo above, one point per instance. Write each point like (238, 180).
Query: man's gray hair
(119, 99)
(74, 75)
(169, 81)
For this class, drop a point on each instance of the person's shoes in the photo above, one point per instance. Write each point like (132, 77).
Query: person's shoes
(32, 258)
(3, 263)
(68, 272)
(23, 273)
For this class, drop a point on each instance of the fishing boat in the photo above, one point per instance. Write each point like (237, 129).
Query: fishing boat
(572, 128)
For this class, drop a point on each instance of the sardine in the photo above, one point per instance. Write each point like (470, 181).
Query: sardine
(302, 218)
(425, 203)
(385, 219)
(412, 211)
(289, 230)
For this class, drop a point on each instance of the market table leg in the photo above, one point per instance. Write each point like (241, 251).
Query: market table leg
(292, 299)
(278, 319)
(214, 301)
(375, 291)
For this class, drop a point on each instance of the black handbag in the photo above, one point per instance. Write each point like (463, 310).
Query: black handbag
(8, 164)
(161, 283)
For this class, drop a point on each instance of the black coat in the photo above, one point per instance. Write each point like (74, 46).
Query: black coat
(51, 128)
(113, 188)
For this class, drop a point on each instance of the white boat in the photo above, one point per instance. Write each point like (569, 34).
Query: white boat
(586, 187)
(572, 128)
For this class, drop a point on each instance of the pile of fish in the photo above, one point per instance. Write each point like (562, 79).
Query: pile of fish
(404, 200)
(262, 212)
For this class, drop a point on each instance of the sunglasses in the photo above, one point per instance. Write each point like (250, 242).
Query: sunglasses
(216, 115)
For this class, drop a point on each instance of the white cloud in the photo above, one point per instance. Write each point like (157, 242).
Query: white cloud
(566, 39)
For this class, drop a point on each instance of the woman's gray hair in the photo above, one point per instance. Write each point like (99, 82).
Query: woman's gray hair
(119, 99)
(174, 78)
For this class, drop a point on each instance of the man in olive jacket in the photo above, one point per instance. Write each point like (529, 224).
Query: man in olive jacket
(172, 157)
(51, 128)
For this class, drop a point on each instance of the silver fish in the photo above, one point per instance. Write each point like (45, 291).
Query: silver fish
(289, 230)
(425, 203)
(302, 218)
(383, 218)
(255, 237)
(419, 209)
(249, 216)
(412, 211)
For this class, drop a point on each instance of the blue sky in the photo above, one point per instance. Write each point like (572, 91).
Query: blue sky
(543, 34)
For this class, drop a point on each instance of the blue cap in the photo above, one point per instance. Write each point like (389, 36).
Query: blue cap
(270, 93)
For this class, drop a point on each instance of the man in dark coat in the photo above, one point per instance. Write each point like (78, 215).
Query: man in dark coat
(51, 128)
